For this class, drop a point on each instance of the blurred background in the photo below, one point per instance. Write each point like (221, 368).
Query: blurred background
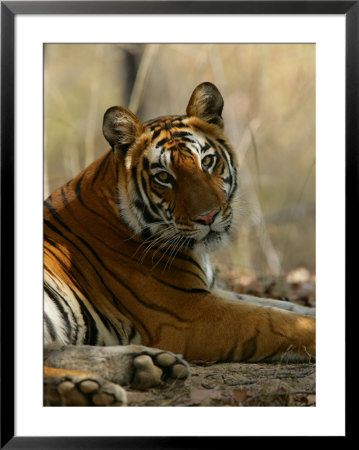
(269, 116)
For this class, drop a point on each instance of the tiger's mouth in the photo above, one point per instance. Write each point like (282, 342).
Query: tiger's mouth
(211, 240)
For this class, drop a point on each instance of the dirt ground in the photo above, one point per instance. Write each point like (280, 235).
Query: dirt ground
(235, 384)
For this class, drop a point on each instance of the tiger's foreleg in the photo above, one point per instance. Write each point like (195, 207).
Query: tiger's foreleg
(103, 370)
(219, 329)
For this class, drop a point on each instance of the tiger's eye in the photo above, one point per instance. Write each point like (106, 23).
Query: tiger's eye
(164, 177)
(207, 161)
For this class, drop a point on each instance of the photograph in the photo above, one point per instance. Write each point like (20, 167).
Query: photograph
(179, 224)
(177, 221)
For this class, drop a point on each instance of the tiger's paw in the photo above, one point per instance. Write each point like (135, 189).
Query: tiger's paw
(76, 388)
(152, 366)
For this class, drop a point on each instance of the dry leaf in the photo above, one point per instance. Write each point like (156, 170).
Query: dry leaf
(241, 395)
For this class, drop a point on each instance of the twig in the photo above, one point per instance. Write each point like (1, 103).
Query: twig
(142, 74)
(294, 375)
(91, 122)
(290, 226)
(275, 394)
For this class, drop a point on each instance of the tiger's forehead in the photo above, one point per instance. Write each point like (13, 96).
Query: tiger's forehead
(165, 122)
(173, 138)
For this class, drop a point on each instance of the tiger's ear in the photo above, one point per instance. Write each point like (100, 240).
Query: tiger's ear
(121, 128)
(206, 102)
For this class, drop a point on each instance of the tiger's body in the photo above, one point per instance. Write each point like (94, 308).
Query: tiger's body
(128, 283)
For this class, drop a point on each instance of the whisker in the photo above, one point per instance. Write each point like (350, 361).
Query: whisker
(180, 246)
(174, 251)
(159, 235)
(167, 246)
(167, 235)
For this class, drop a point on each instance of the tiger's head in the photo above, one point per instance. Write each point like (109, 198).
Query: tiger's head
(177, 174)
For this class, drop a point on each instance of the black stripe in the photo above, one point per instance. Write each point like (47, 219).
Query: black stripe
(146, 233)
(229, 162)
(179, 288)
(156, 133)
(211, 143)
(71, 276)
(78, 195)
(50, 208)
(78, 187)
(91, 327)
(270, 356)
(144, 187)
(120, 306)
(153, 206)
(205, 147)
(180, 134)
(179, 125)
(249, 347)
(98, 171)
(50, 327)
(231, 352)
(133, 332)
(161, 142)
(228, 180)
(187, 139)
(118, 335)
(157, 166)
(190, 260)
(134, 172)
(144, 211)
(140, 205)
(227, 149)
(64, 198)
(223, 168)
(234, 188)
(146, 163)
(53, 296)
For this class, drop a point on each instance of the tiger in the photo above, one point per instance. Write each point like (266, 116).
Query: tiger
(130, 296)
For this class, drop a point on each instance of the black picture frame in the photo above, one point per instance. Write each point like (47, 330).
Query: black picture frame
(9, 10)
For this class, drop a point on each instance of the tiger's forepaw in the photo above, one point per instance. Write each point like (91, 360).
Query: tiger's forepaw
(75, 388)
(150, 369)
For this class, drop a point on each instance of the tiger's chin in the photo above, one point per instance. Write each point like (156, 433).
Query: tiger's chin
(213, 240)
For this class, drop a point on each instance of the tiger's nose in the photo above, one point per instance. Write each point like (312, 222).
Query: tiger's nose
(207, 217)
